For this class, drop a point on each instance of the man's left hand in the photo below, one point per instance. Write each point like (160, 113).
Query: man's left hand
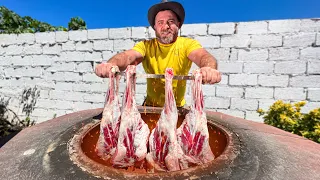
(210, 75)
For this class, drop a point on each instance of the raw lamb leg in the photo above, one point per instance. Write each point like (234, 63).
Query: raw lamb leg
(165, 152)
(110, 121)
(133, 131)
(193, 135)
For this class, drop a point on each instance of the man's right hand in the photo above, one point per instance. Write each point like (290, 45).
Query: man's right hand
(103, 69)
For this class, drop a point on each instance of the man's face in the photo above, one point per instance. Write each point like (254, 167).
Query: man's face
(166, 26)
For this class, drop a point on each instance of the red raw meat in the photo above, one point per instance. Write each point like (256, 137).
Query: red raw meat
(110, 121)
(193, 135)
(165, 152)
(133, 131)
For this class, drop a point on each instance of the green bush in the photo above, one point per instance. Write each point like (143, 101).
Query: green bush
(288, 117)
(10, 22)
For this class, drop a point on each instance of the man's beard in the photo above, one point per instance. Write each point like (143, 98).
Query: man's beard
(168, 38)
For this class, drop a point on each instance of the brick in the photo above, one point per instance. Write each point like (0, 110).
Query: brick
(139, 32)
(252, 54)
(72, 56)
(32, 49)
(84, 67)
(255, 27)
(310, 53)
(69, 46)
(230, 67)
(45, 37)
(273, 80)
(266, 40)
(310, 106)
(95, 98)
(265, 104)
(283, 26)
(62, 36)
(26, 38)
(94, 34)
(42, 60)
(90, 87)
(235, 40)
(318, 39)
(91, 77)
(254, 116)
(221, 28)
(2, 50)
(119, 33)
(14, 50)
(258, 67)
(86, 105)
(61, 76)
(19, 61)
(194, 29)
(63, 86)
(284, 53)
(243, 104)
(313, 67)
(120, 45)
(52, 49)
(213, 102)
(106, 55)
(290, 93)
(92, 56)
(258, 92)
(209, 41)
(243, 79)
(58, 104)
(68, 96)
(23, 72)
(8, 39)
(233, 54)
(151, 32)
(84, 46)
(234, 113)
(305, 81)
(80, 35)
(310, 25)
(44, 94)
(141, 89)
(103, 45)
(229, 92)
(208, 90)
(224, 79)
(290, 67)
(313, 94)
(221, 54)
(299, 40)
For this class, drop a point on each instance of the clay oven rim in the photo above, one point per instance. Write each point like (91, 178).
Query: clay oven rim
(97, 169)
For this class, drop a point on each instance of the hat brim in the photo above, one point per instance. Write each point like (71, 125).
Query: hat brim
(176, 7)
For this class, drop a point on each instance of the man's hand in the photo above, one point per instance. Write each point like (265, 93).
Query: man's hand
(103, 69)
(210, 75)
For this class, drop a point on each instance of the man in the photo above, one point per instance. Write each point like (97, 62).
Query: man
(166, 50)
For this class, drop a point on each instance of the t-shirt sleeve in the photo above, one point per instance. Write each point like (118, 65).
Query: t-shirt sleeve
(140, 47)
(192, 45)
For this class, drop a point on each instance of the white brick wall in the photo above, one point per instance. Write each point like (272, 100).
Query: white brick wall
(236, 40)
(266, 40)
(256, 27)
(260, 62)
(221, 28)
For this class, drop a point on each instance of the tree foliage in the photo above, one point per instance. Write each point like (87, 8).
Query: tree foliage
(288, 117)
(10, 22)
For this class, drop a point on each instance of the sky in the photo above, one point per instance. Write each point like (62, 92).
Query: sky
(115, 14)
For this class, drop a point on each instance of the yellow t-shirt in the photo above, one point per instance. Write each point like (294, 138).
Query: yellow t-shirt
(157, 57)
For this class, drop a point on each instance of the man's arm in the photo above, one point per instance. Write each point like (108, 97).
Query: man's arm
(122, 60)
(208, 65)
